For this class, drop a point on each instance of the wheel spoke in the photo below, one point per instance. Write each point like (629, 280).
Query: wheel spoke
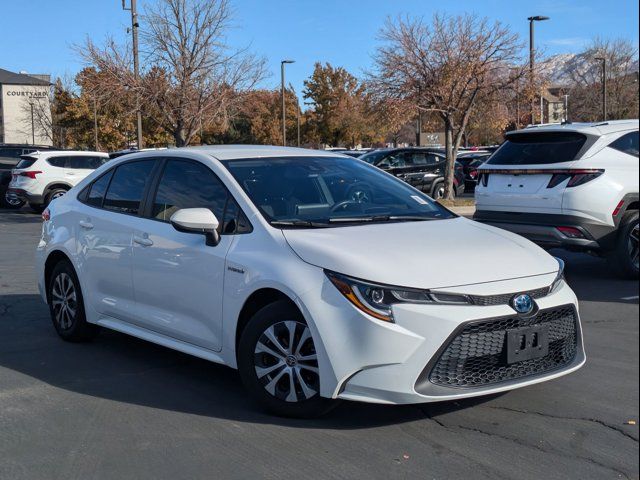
(293, 396)
(262, 371)
(271, 386)
(291, 327)
(262, 348)
(306, 334)
(271, 335)
(308, 367)
(307, 391)
(308, 358)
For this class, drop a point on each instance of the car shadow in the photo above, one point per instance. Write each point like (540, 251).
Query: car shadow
(118, 367)
(585, 274)
(10, 216)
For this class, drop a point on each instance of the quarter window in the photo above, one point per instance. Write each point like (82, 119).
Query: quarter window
(98, 189)
(127, 187)
(627, 143)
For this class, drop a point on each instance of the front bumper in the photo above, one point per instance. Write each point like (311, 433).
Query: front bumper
(542, 229)
(381, 362)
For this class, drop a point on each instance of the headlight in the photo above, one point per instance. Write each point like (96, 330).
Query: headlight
(559, 280)
(376, 300)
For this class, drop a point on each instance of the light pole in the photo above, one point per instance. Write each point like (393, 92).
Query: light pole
(284, 116)
(566, 108)
(136, 69)
(537, 18)
(297, 112)
(33, 127)
(603, 59)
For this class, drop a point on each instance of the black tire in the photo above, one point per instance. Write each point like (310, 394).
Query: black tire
(72, 326)
(624, 259)
(37, 207)
(437, 187)
(13, 205)
(274, 315)
(56, 192)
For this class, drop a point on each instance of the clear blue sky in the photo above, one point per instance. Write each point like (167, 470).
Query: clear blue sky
(37, 35)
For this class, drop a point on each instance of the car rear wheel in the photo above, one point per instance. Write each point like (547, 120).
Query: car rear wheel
(55, 193)
(66, 304)
(11, 201)
(278, 363)
(625, 257)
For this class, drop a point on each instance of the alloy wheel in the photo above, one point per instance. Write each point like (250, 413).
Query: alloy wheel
(64, 301)
(57, 194)
(632, 245)
(13, 200)
(286, 363)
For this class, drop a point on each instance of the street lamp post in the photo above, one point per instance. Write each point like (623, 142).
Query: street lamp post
(297, 112)
(33, 127)
(603, 59)
(284, 116)
(537, 18)
(566, 107)
(136, 69)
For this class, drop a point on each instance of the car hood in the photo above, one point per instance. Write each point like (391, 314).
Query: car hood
(423, 254)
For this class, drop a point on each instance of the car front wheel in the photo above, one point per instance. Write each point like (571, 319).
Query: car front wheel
(278, 363)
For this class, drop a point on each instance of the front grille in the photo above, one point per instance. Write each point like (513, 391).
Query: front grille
(477, 355)
(490, 300)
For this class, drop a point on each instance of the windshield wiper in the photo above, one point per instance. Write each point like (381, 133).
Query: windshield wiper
(380, 218)
(298, 224)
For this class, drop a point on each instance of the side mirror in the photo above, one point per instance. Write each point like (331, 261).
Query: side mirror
(197, 220)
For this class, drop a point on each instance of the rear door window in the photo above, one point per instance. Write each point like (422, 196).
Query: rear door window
(85, 162)
(538, 148)
(127, 187)
(60, 162)
(627, 143)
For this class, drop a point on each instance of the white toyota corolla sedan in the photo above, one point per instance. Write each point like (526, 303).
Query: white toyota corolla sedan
(316, 275)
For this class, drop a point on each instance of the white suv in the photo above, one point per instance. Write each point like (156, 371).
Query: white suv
(42, 176)
(283, 263)
(573, 186)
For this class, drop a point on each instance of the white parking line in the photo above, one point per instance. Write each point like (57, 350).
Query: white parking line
(630, 298)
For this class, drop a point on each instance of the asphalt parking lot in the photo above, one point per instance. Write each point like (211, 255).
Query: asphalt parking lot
(123, 408)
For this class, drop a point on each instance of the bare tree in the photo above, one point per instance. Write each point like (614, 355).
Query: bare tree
(446, 67)
(585, 89)
(192, 77)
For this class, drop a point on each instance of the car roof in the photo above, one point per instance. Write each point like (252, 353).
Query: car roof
(593, 128)
(52, 153)
(238, 152)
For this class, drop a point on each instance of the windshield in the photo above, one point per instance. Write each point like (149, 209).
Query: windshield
(327, 191)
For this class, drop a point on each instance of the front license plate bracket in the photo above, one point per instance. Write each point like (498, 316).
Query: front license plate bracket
(527, 343)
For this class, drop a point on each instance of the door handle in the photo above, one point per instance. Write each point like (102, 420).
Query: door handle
(86, 225)
(145, 242)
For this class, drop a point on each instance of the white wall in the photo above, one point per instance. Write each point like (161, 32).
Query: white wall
(16, 113)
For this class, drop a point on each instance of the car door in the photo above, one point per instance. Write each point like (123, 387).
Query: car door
(105, 226)
(178, 280)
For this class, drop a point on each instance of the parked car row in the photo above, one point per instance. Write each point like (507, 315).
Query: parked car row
(422, 168)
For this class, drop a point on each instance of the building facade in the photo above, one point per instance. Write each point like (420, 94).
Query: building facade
(25, 114)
